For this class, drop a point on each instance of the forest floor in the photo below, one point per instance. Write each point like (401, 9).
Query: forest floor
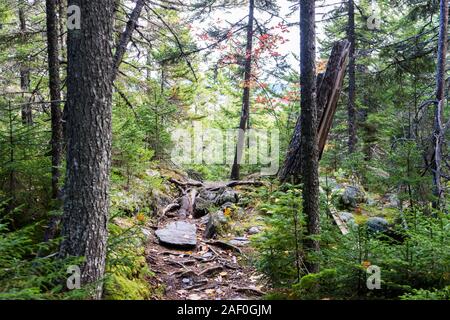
(215, 269)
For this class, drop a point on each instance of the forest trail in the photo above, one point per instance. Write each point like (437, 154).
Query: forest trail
(219, 268)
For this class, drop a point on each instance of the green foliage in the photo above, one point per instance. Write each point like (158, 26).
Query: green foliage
(414, 262)
(24, 274)
(127, 271)
(443, 294)
(280, 245)
(25, 163)
(315, 285)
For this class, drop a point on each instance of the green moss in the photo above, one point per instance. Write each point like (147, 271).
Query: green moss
(374, 211)
(315, 285)
(119, 287)
(127, 270)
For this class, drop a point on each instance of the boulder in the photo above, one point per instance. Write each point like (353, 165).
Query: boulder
(217, 222)
(377, 224)
(201, 207)
(392, 201)
(178, 234)
(352, 196)
(346, 216)
(227, 196)
(254, 230)
(159, 201)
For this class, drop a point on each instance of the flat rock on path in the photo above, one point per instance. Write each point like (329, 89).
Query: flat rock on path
(178, 234)
(208, 271)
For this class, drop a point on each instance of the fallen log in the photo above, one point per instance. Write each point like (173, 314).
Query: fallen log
(214, 186)
(170, 207)
(224, 245)
(189, 183)
(338, 221)
(232, 184)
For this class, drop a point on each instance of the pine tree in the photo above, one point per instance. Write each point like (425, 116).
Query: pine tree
(89, 102)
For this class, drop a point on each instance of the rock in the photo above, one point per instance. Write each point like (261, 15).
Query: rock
(346, 216)
(352, 196)
(153, 173)
(392, 201)
(239, 241)
(194, 175)
(227, 205)
(371, 202)
(328, 183)
(159, 201)
(204, 219)
(227, 196)
(217, 222)
(201, 207)
(207, 255)
(254, 230)
(179, 234)
(377, 224)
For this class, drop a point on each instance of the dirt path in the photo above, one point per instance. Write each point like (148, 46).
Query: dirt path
(214, 270)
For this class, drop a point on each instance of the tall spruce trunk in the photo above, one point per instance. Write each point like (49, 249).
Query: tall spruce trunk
(351, 109)
(235, 171)
(56, 113)
(440, 98)
(26, 112)
(89, 100)
(55, 92)
(309, 123)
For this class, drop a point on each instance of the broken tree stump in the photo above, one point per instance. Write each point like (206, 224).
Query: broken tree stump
(328, 91)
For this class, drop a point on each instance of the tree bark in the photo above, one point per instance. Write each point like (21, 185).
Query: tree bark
(440, 98)
(235, 171)
(56, 113)
(55, 92)
(125, 37)
(309, 152)
(329, 86)
(329, 91)
(352, 140)
(89, 102)
(27, 116)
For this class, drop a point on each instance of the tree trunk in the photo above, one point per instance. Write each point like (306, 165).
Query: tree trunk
(440, 98)
(125, 37)
(27, 116)
(56, 113)
(351, 79)
(309, 123)
(328, 87)
(89, 100)
(55, 92)
(329, 91)
(246, 96)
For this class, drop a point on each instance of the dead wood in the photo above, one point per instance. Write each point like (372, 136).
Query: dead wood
(224, 245)
(249, 290)
(211, 271)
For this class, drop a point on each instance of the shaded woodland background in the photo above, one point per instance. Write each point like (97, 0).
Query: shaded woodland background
(86, 173)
